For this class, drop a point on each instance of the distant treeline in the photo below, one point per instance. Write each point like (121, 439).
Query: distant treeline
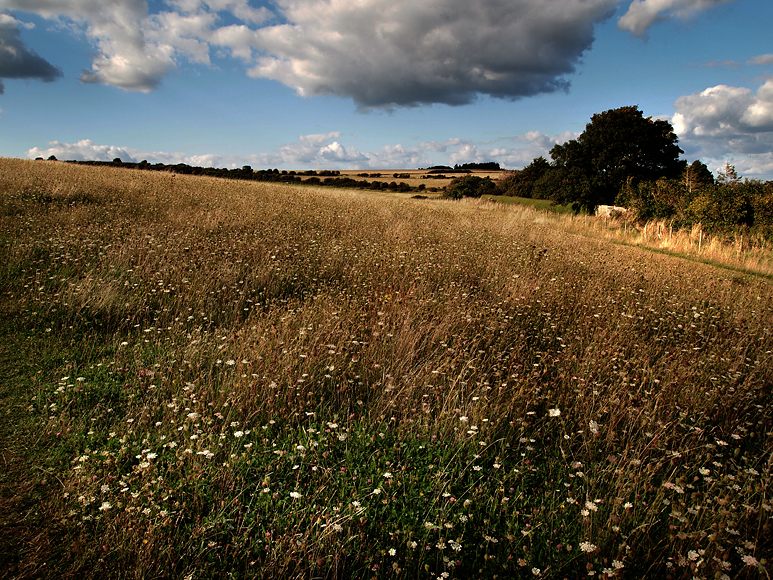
(324, 177)
(464, 168)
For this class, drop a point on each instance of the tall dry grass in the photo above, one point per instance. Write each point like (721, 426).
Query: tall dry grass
(255, 380)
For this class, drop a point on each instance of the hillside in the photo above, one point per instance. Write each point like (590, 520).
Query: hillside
(205, 378)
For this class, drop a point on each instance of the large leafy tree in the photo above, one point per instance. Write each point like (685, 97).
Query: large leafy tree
(618, 147)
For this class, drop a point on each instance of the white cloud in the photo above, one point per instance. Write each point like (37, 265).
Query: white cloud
(84, 150)
(642, 14)
(442, 146)
(397, 157)
(761, 59)
(135, 50)
(517, 152)
(380, 53)
(725, 122)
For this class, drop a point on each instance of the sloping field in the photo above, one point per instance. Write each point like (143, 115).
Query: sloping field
(215, 379)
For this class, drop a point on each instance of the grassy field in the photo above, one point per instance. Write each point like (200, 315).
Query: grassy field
(205, 378)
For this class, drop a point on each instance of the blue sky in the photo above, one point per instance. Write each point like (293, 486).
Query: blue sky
(378, 84)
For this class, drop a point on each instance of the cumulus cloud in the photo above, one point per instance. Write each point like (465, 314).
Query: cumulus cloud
(642, 14)
(397, 157)
(387, 53)
(16, 60)
(513, 152)
(380, 53)
(135, 50)
(442, 146)
(84, 150)
(724, 122)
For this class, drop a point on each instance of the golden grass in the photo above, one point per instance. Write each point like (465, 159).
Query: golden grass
(459, 388)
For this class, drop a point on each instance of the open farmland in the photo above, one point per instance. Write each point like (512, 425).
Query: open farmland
(205, 378)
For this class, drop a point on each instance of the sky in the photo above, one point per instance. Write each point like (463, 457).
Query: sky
(378, 84)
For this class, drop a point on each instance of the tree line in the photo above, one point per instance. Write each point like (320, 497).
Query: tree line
(625, 159)
(324, 177)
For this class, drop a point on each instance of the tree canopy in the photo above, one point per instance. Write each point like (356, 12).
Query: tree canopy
(618, 147)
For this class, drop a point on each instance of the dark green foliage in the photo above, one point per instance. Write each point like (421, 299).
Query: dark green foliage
(470, 186)
(725, 206)
(521, 183)
(697, 176)
(618, 146)
(487, 166)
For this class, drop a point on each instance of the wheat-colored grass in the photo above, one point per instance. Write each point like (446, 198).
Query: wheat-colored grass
(256, 380)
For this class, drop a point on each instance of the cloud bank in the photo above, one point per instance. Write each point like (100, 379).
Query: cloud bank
(380, 53)
(16, 60)
(724, 122)
(326, 151)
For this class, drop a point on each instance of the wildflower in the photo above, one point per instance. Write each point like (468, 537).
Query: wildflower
(587, 547)
(594, 427)
(193, 416)
(748, 560)
(477, 467)
(106, 505)
(554, 412)
(536, 571)
(238, 434)
(295, 495)
(412, 545)
(388, 475)
(151, 456)
(617, 564)
(591, 506)
(376, 491)
(392, 552)
(356, 504)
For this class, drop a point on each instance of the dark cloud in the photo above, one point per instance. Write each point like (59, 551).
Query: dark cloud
(390, 53)
(16, 60)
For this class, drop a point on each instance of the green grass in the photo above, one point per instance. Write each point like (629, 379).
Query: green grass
(216, 379)
(538, 204)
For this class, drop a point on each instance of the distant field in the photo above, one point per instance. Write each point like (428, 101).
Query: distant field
(207, 378)
(417, 177)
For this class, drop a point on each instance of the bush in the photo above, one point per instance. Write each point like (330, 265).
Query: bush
(470, 186)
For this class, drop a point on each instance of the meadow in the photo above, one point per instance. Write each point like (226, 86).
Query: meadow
(205, 378)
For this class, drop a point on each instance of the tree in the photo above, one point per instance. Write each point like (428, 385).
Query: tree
(618, 147)
(696, 176)
(470, 186)
(728, 176)
(521, 183)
